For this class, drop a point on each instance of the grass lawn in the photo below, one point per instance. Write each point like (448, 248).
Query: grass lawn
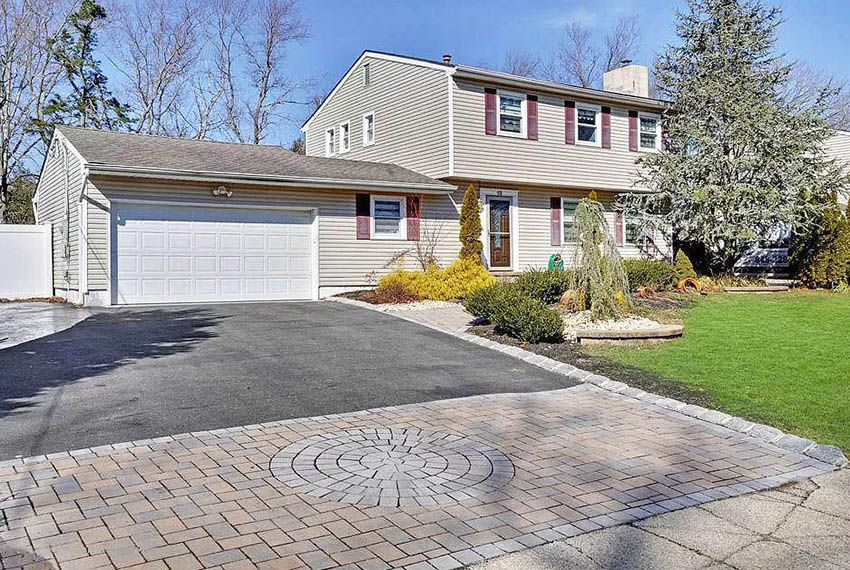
(781, 359)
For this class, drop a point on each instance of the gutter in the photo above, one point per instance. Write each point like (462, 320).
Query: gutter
(483, 75)
(256, 179)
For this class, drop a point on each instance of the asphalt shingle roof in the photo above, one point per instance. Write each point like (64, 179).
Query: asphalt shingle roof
(157, 152)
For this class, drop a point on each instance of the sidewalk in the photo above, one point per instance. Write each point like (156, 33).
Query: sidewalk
(803, 526)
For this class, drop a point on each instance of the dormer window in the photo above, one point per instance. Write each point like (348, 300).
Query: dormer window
(511, 114)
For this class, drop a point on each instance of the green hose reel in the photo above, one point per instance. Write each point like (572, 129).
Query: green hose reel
(556, 262)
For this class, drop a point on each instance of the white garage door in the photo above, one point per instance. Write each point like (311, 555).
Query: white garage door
(168, 254)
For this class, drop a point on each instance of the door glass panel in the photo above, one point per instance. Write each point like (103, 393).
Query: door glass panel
(500, 236)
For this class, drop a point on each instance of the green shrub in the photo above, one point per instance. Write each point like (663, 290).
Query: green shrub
(545, 285)
(461, 278)
(653, 273)
(683, 268)
(822, 256)
(489, 300)
(515, 313)
(528, 320)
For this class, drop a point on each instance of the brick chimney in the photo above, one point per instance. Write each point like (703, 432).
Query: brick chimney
(628, 78)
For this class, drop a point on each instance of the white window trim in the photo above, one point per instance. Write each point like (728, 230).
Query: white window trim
(598, 110)
(347, 125)
(564, 241)
(513, 196)
(374, 132)
(523, 130)
(402, 223)
(330, 142)
(657, 117)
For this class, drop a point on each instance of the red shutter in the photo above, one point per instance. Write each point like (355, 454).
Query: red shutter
(532, 117)
(633, 131)
(555, 227)
(364, 222)
(618, 229)
(570, 122)
(490, 111)
(413, 218)
(606, 127)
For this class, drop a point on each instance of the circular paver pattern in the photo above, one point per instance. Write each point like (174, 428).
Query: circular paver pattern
(392, 467)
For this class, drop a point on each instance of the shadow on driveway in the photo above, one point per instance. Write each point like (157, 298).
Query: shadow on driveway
(129, 374)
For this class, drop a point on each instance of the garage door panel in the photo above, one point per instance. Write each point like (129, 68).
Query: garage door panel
(173, 254)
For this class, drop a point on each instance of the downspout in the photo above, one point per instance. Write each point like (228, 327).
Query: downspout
(66, 222)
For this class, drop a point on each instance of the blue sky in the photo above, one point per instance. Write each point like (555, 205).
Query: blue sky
(479, 32)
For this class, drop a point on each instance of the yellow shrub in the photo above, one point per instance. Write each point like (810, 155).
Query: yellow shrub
(462, 277)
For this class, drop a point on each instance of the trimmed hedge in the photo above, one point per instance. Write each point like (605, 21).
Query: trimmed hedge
(544, 285)
(652, 273)
(514, 312)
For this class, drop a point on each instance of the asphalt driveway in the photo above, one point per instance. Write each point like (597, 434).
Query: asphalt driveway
(128, 374)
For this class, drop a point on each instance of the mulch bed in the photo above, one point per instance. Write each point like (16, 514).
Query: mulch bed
(36, 300)
(367, 296)
(571, 353)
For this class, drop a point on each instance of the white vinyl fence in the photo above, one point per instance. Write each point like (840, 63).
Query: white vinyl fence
(26, 263)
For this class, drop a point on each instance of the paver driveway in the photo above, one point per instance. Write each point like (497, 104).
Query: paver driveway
(128, 374)
(426, 486)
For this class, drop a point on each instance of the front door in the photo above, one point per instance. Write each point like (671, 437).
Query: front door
(500, 233)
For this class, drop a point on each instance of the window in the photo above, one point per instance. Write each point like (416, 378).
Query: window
(344, 138)
(387, 217)
(329, 142)
(368, 129)
(366, 77)
(587, 124)
(632, 232)
(650, 131)
(511, 114)
(568, 207)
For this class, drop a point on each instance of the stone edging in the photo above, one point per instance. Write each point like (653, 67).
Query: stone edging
(826, 453)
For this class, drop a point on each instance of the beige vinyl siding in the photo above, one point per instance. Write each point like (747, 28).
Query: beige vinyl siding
(838, 146)
(411, 109)
(547, 161)
(51, 209)
(344, 261)
(97, 239)
(533, 235)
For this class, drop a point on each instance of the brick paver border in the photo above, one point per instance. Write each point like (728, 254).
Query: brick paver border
(826, 453)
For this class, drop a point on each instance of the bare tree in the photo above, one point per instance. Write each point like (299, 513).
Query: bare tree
(807, 85)
(430, 238)
(519, 62)
(580, 60)
(622, 42)
(576, 60)
(28, 76)
(256, 35)
(157, 47)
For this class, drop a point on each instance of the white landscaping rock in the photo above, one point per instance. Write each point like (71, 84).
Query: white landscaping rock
(582, 320)
(418, 305)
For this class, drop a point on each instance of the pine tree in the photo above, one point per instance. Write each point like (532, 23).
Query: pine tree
(741, 159)
(470, 225)
(89, 103)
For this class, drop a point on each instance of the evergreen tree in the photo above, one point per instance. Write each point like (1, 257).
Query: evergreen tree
(741, 160)
(89, 103)
(470, 226)
(821, 256)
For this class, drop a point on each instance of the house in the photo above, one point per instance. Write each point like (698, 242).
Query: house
(150, 219)
(530, 148)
